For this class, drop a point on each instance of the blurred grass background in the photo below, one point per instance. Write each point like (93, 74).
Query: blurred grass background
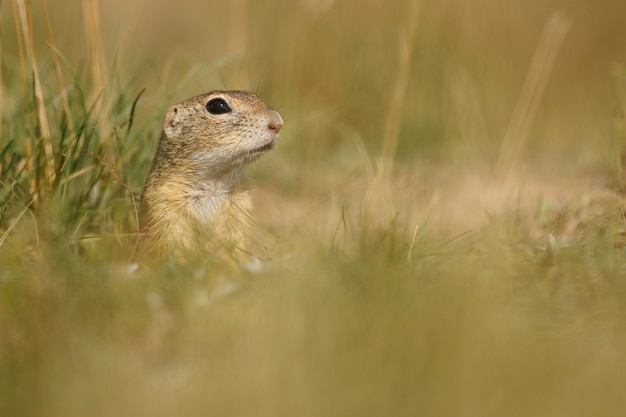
(441, 224)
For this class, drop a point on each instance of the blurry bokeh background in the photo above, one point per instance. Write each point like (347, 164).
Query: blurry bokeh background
(332, 65)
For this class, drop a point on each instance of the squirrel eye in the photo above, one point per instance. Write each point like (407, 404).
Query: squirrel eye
(218, 106)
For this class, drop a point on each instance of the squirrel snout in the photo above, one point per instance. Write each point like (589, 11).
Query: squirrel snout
(275, 122)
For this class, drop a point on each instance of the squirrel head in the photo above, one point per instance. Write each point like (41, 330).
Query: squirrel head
(220, 131)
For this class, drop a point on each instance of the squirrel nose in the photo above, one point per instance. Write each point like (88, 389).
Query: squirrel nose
(275, 121)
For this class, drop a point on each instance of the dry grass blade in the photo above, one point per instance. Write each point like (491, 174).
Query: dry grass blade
(28, 140)
(97, 64)
(530, 96)
(1, 89)
(57, 68)
(237, 41)
(378, 205)
(394, 115)
(42, 119)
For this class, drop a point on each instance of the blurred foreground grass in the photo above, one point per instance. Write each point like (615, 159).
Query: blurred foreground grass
(399, 274)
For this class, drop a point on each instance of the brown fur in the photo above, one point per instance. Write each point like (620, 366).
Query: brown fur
(193, 199)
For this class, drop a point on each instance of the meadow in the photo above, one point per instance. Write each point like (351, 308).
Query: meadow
(440, 229)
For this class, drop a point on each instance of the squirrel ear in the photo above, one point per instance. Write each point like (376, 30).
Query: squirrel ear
(171, 124)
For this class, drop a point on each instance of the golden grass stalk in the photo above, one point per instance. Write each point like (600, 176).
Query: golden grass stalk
(25, 23)
(20, 51)
(530, 96)
(396, 106)
(237, 42)
(57, 68)
(29, 140)
(91, 15)
(96, 58)
(378, 206)
(0, 88)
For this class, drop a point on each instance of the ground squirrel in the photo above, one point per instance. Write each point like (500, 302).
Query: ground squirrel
(193, 198)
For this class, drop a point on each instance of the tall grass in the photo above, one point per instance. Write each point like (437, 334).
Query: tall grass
(65, 172)
(390, 281)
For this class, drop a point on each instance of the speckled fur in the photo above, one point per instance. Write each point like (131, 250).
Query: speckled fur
(193, 199)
